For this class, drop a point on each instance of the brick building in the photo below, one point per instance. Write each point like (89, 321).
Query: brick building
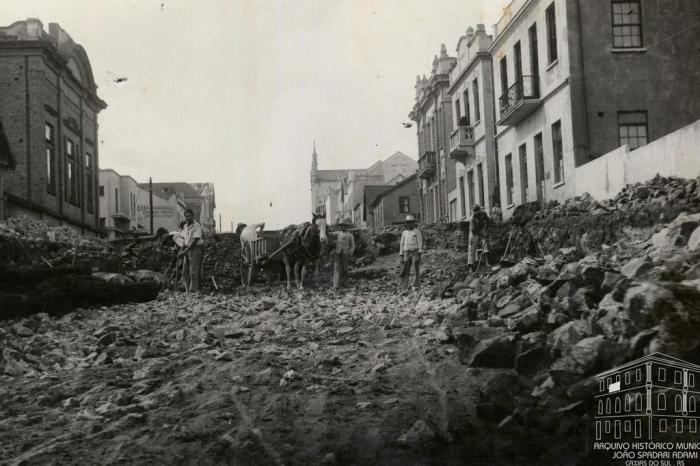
(48, 110)
(575, 80)
(432, 113)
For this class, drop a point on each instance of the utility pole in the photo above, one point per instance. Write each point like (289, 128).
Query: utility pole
(219, 223)
(150, 201)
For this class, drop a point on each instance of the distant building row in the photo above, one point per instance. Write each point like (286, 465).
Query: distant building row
(352, 193)
(558, 84)
(125, 204)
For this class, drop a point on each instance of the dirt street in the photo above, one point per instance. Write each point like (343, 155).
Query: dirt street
(259, 376)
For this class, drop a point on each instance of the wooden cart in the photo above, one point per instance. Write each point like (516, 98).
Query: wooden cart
(259, 253)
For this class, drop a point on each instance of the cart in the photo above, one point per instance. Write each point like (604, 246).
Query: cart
(259, 253)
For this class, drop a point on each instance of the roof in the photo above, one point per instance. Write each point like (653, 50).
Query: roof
(371, 193)
(653, 357)
(7, 161)
(393, 188)
(335, 175)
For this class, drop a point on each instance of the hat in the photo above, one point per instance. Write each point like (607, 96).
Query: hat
(410, 218)
(477, 207)
(346, 221)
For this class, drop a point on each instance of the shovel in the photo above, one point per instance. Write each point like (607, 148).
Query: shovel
(507, 262)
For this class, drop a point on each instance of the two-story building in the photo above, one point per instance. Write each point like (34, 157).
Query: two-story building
(432, 113)
(472, 143)
(48, 112)
(119, 197)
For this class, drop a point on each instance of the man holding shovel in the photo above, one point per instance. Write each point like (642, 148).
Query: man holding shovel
(410, 249)
(477, 230)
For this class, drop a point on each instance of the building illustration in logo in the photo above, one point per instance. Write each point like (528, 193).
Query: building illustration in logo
(649, 397)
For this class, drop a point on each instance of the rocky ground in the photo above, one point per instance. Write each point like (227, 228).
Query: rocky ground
(493, 368)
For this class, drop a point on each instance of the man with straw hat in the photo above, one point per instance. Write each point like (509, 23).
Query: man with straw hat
(344, 249)
(410, 249)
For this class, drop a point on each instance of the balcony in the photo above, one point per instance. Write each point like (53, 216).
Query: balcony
(426, 164)
(522, 99)
(462, 144)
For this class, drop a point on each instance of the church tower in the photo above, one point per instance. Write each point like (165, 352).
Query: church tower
(315, 188)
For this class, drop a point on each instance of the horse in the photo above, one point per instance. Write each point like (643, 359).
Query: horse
(306, 244)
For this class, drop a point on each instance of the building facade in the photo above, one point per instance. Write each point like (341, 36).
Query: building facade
(119, 197)
(396, 202)
(472, 143)
(432, 113)
(575, 80)
(197, 196)
(48, 109)
(648, 398)
(340, 193)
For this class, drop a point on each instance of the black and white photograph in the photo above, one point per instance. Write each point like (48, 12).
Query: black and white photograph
(350, 232)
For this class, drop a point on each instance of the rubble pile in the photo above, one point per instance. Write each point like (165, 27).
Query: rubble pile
(222, 258)
(556, 320)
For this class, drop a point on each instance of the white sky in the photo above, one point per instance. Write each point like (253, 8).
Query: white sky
(235, 92)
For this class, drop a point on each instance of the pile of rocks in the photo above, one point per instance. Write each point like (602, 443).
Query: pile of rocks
(557, 320)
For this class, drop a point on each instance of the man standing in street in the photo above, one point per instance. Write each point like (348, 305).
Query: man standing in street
(477, 230)
(344, 249)
(410, 249)
(192, 253)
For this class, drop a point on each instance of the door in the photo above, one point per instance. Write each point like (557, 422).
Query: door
(539, 167)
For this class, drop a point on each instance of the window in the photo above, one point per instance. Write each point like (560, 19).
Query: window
(600, 407)
(50, 159)
(467, 112)
(627, 24)
(679, 404)
(691, 379)
(404, 205)
(607, 427)
(677, 377)
(116, 200)
(679, 426)
(475, 94)
(71, 173)
(632, 128)
(693, 426)
(637, 428)
(628, 402)
(638, 402)
(661, 402)
(691, 403)
(639, 375)
(524, 186)
(628, 426)
(102, 223)
(608, 405)
(462, 196)
(627, 377)
(609, 382)
(453, 210)
(539, 166)
(509, 179)
(102, 191)
(618, 405)
(504, 75)
(480, 176)
(518, 61)
(534, 56)
(89, 187)
(558, 153)
(662, 374)
(601, 384)
(551, 33)
(662, 425)
(458, 111)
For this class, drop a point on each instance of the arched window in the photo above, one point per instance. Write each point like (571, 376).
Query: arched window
(661, 401)
(691, 404)
(618, 404)
(628, 402)
(600, 407)
(607, 406)
(679, 403)
(638, 402)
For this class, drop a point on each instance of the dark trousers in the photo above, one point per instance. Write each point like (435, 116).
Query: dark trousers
(411, 258)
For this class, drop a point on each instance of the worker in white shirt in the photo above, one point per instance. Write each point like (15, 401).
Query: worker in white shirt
(192, 252)
(410, 249)
(344, 249)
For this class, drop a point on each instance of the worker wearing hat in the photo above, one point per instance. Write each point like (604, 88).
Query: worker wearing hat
(410, 249)
(477, 238)
(344, 249)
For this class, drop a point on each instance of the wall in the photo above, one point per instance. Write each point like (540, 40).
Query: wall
(676, 154)
(389, 204)
(167, 213)
(662, 77)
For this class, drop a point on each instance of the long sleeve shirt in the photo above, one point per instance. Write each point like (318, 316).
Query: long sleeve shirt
(411, 240)
(345, 243)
